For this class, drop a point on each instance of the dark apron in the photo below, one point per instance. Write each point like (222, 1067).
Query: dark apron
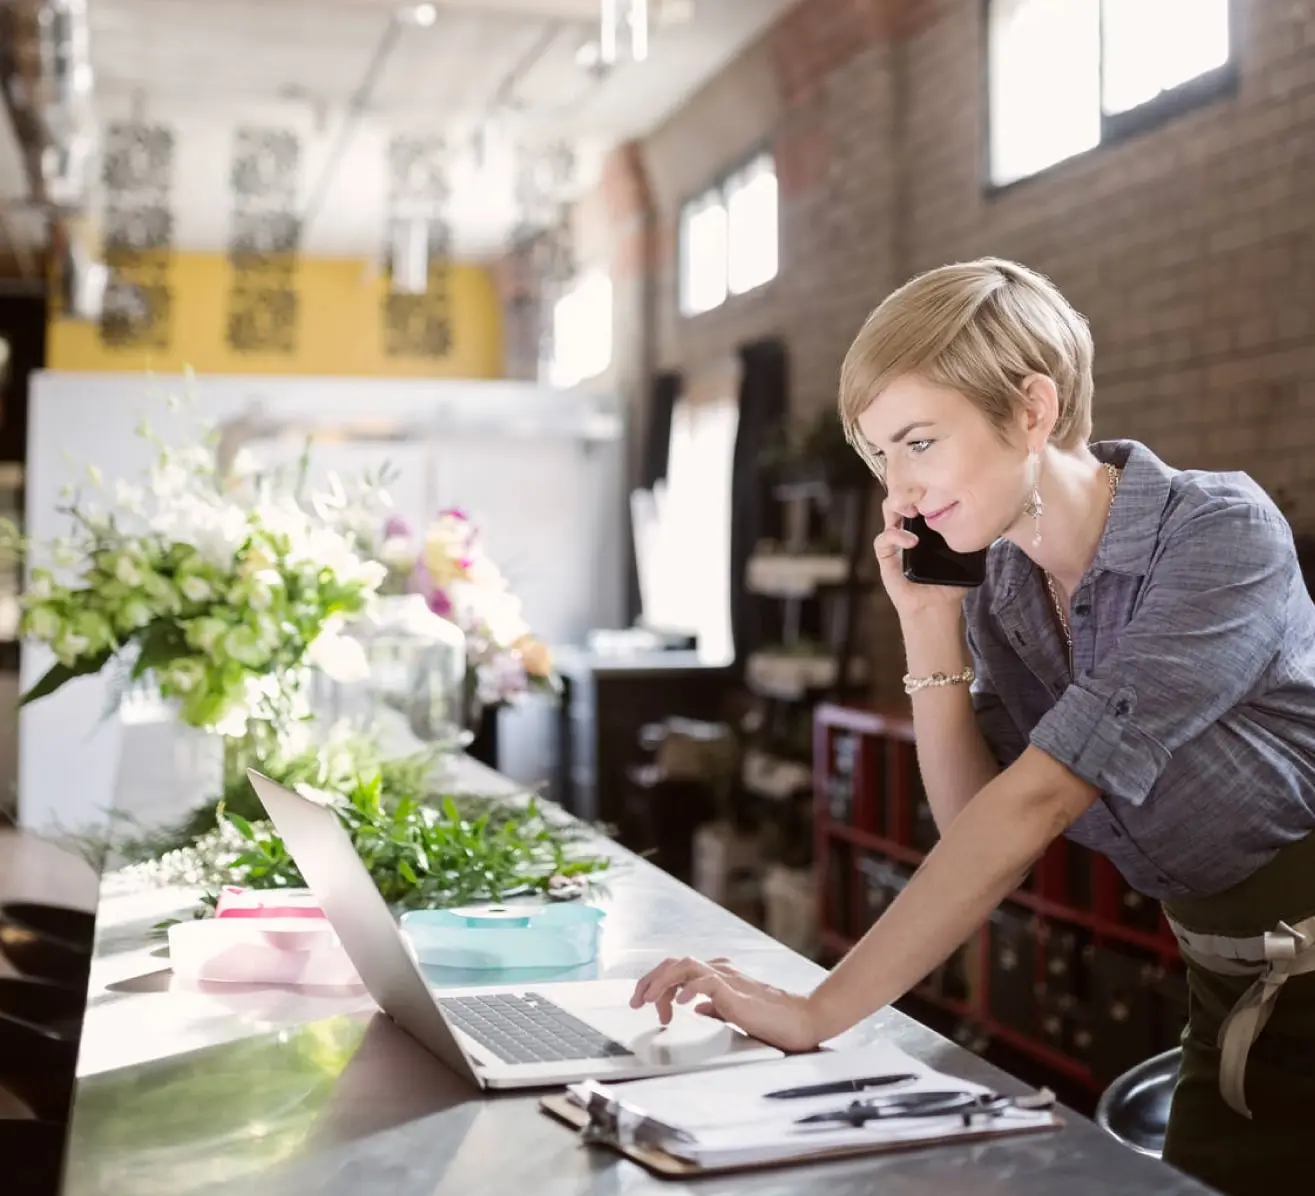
(1248, 976)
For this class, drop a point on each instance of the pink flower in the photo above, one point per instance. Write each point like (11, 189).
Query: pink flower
(439, 603)
(397, 527)
(455, 513)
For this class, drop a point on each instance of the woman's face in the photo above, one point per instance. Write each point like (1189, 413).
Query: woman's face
(945, 462)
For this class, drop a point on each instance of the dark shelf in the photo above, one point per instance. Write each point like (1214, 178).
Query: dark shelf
(1074, 1069)
(1102, 927)
(866, 839)
(1068, 945)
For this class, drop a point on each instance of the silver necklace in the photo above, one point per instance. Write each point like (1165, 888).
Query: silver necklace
(1112, 476)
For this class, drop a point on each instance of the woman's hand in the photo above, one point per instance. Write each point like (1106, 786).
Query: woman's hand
(771, 1015)
(911, 598)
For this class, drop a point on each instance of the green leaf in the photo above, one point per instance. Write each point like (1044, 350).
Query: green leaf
(59, 674)
(242, 825)
(408, 873)
(160, 642)
(252, 859)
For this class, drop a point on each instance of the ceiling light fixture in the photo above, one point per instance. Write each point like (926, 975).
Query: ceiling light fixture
(639, 30)
(609, 21)
(422, 15)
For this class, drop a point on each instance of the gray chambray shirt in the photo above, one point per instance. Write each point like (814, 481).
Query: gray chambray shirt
(1192, 703)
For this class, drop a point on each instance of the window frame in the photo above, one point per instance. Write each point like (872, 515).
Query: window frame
(719, 187)
(1207, 88)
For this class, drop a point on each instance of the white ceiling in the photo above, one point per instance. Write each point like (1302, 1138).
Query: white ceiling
(508, 66)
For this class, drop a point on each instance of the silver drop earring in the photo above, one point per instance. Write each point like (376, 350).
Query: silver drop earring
(1034, 508)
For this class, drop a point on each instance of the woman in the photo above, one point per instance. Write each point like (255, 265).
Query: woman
(1137, 673)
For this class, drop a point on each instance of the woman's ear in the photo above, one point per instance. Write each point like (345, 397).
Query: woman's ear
(1040, 408)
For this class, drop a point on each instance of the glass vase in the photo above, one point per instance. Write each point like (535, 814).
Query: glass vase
(257, 749)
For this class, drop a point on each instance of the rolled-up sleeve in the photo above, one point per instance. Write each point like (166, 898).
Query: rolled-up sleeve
(996, 724)
(1208, 626)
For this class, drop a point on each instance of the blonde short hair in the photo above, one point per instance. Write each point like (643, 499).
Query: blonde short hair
(981, 328)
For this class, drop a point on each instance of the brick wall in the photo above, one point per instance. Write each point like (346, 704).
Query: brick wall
(1190, 247)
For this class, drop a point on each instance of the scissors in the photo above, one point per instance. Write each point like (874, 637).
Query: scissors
(928, 1104)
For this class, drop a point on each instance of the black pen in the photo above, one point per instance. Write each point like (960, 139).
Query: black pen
(835, 1087)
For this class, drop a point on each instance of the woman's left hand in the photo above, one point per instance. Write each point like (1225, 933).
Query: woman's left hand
(771, 1015)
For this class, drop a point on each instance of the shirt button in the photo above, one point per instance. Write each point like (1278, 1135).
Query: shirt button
(1122, 708)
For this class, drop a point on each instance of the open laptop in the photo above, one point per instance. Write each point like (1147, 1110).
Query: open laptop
(500, 1036)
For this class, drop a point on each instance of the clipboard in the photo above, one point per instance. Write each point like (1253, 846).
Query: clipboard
(622, 1131)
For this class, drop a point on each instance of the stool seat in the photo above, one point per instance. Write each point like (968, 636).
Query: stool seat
(1135, 1107)
(50, 942)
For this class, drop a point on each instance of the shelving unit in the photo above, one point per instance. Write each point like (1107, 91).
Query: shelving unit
(814, 577)
(1075, 970)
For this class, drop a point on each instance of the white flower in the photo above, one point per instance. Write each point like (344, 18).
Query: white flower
(244, 463)
(128, 496)
(128, 571)
(41, 588)
(185, 675)
(397, 552)
(483, 572)
(94, 473)
(234, 722)
(320, 797)
(135, 614)
(242, 644)
(168, 479)
(206, 633)
(45, 623)
(195, 589)
(372, 574)
(194, 458)
(338, 657)
(268, 631)
(215, 529)
(497, 609)
(70, 646)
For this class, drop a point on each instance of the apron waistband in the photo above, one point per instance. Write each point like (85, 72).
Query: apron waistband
(1272, 957)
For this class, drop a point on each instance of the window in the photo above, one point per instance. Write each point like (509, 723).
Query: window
(683, 538)
(582, 331)
(751, 249)
(728, 238)
(1068, 75)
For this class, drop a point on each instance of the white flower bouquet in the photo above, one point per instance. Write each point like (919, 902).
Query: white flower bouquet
(222, 589)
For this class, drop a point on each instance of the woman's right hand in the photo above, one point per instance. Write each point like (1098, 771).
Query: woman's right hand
(911, 598)
(771, 1015)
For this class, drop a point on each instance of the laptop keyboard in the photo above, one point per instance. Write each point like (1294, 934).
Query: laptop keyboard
(528, 1028)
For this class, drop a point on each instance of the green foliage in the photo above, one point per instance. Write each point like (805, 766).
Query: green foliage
(425, 848)
(424, 856)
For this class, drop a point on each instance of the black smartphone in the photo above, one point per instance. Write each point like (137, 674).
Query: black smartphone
(933, 562)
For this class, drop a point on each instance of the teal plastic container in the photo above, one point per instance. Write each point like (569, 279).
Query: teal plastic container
(500, 937)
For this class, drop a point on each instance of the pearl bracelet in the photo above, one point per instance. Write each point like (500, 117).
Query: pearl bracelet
(913, 684)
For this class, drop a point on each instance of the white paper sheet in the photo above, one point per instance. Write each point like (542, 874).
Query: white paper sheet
(732, 1121)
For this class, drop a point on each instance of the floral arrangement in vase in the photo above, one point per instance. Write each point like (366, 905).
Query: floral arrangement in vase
(222, 589)
(448, 564)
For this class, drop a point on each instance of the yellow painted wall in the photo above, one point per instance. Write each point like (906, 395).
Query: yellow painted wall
(340, 326)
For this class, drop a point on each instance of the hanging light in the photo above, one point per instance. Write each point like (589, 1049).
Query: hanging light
(410, 256)
(607, 23)
(639, 30)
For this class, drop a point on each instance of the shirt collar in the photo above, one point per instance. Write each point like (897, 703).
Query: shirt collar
(1133, 528)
